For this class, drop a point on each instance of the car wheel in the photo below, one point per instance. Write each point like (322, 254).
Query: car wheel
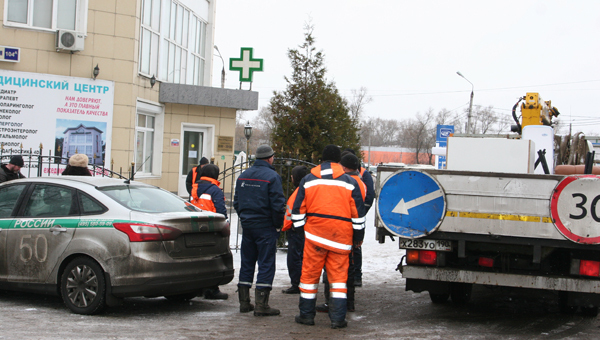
(439, 298)
(460, 292)
(181, 297)
(82, 286)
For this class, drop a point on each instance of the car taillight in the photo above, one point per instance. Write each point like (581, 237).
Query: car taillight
(427, 257)
(226, 230)
(486, 262)
(589, 268)
(138, 232)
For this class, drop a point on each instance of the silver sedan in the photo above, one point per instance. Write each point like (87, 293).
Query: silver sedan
(94, 241)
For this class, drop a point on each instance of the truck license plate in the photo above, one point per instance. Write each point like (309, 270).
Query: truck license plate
(439, 245)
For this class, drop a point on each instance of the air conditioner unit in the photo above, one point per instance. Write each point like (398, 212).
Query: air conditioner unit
(69, 41)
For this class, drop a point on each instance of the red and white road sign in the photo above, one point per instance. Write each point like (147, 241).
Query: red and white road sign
(575, 208)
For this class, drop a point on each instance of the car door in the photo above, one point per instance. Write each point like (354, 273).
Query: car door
(9, 198)
(42, 229)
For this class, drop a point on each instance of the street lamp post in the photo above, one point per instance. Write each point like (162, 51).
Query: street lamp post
(248, 134)
(223, 71)
(470, 103)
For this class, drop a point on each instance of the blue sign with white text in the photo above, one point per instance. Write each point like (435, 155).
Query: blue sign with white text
(411, 204)
(11, 54)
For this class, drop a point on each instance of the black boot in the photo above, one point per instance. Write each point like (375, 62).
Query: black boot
(351, 292)
(262, 303)
(307, 311)
(215, 294)
(337, 313)
(291, 290)
(244, 296)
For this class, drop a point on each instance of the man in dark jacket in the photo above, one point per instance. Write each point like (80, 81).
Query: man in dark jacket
(12, 170)
(369, 198)
(260, 205)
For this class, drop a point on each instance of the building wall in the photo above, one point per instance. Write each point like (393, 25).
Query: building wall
(112, 43)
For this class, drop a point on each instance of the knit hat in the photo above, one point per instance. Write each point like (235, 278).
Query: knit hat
(298, 173)
(264, 151)
(350, 161)
(79, 159)
(204, 160)
(211, 170)
(17, 160)
(332, 153)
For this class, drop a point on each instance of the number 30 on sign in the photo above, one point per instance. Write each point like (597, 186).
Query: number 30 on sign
(575, 208)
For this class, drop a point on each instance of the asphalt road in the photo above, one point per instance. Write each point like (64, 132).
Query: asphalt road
(384, 310)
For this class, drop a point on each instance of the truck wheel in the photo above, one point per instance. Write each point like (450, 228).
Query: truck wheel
(461, 292)
(438, 298)
(563, 298)
(589, 311)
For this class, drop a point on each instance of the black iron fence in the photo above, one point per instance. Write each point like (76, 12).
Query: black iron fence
(38, 165)
(283, 166)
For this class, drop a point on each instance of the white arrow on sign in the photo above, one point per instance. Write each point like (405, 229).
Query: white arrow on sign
(403, 207)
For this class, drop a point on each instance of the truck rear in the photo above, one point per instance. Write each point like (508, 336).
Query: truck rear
(461, 228)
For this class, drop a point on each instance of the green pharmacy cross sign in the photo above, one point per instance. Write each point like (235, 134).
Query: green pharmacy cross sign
(246, 65)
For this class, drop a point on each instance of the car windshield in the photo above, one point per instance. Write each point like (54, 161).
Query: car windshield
(147, 199)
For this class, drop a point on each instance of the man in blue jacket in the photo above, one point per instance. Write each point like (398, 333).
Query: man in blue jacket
(260, 205)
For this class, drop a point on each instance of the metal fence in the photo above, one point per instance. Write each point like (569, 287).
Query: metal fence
(283, 166)
(38, 165)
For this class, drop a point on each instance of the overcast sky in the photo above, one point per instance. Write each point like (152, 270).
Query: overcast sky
(406, 53)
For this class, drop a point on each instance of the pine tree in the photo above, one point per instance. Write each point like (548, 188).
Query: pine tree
(310, 113)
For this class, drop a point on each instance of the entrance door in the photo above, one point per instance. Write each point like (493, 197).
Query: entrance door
(194, 147)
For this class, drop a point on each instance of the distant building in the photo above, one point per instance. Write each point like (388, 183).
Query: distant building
(389, 154)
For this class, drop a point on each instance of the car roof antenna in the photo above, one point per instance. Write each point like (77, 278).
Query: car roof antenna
(128, 181)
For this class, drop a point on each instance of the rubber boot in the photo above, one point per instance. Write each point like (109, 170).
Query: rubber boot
(215, 294)
(351, 292)
(244, 297)
(262, 303)
(324, 308)
(307, 311)
(337, 312)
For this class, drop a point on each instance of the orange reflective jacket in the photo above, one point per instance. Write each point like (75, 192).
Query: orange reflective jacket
(205, 200)
(287, 222)
(330, 207)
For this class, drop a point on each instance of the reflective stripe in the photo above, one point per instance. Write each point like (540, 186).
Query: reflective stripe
(308, 296)
(358, 226)
(308, 286)
(327, 242)
(326, 172)
(338, 295)
(206, 197)
(245, 283)
(329, 182)
(298, 224)
(338, 285)
(298, 216)
(359, 220)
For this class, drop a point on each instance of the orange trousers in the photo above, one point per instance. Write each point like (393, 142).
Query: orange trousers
(336, 266)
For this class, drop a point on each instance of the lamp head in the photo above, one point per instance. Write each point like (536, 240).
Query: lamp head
(96, 71)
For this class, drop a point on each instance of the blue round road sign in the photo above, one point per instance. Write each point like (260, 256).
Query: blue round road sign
(411, 204)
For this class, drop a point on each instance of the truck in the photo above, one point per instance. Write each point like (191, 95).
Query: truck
(500, 214)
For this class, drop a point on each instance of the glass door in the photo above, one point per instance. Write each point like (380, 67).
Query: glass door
(192, 150)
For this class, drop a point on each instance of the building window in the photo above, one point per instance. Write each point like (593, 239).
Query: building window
(47, 14)
(148, 136)
(172, 43)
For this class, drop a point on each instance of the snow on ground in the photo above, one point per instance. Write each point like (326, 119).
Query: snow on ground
(379, 260)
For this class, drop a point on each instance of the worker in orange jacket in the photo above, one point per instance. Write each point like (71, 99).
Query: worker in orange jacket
(330, 208)
(295, 237)
(350, 164)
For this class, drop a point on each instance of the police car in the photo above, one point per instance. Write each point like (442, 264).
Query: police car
(95, 240)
